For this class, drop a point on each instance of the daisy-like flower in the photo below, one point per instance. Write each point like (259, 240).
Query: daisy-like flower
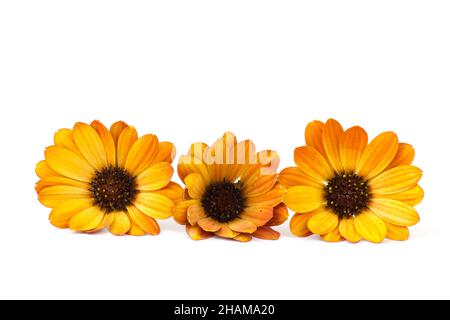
(231, 191)
(94, 178)
(346, 188)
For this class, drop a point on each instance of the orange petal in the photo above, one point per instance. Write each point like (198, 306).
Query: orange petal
(120, 224)
(396, 232)
(105, 223)
(116, 130)
(395, 212)
(58, 180)
(291, 177)
(348, 231)
(108, 141)
(191, 164)
(154, 205)
(61, 214)
(180, 210)
(310, 161)
(404, 156)
(266, 233)
(258, 215)
(173, 191)
(141, 154)
(197, 233)
(351, 147)
(333, 236)
(280, 215)
(243, 237)
(378, 155)
(195, 213)
(413, 196)
(90, 145)
(43, 170)
(195, 185)
(323, 222)
(69, 164)
(241, 225)
(64, 138)
(396, 180)
(261, 185)
(304, 199)
(166, 153)
(127, 138)
(53, 196)
(87, 219)
(209, 224)
(155, 177)
(135, 231)
(226, 232)
(299, 224)
(269, 199)
(370, 227)
(144, 222)
(332, 133)
(313, 136)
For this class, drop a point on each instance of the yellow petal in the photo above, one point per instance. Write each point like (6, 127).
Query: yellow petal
(53, 196)
(280, 215)
(195, 213)
(90, 145)
(243, 237)
(313, 136)
(378, 155)
(116, 130)
(312, 163)
(155, 177)
(413, 196)
(352, 145)
(291, 177)
(173, 191)
(105, 223)
(323, 222)
(108, 141)
(396, 232)
(120, 224)
(258, 215)
(126, 140)
(43, 170)
(261, 185)
(142, 154)
(58, 180)
(69, 164)
(299, 224)
(144, 222)
(195, 185)
(154, 205)
(348, 231)
(395, 212)
(226, 232)
(241, 225)
(209, 224)
(370, 227)
(266, 233)
(64, 138)
(196, 233)
(332, 133)
(180, 210)
(191, 164)
(61, 214)
(135, 231)
(396, 180)
(87, 219)
(304, 199)
(166, 153)
(404, 156)
(333, 236)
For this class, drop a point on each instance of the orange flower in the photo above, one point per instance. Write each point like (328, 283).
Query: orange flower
(346, 188)
(94, 178)
(231, 191)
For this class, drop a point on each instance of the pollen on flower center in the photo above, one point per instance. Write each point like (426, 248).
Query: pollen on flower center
(347, 194)
(113, 189)
(223, 201)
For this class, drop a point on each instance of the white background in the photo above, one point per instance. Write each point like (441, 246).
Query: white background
(190, 70)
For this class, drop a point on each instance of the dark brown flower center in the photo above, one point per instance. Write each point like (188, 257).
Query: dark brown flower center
(347, 194)
(223, 201)
(113, 189)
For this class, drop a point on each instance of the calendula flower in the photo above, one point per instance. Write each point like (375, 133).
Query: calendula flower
(346, 188)
(231, 191)
(94, 178)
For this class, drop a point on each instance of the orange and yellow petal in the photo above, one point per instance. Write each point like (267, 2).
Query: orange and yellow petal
(155, 177)
(69, 164)
(243, 237)
(226, 232)
(195, 213)
(43, 170)
(108, 141)
(62, 213)
(333, 236)
(258, 215)
(412, 197)
(120, 224)
(154, 205)
(351, 147)
(145, 223)
(116, 130)
(394, 212)
(280, 215)
(54, 195)
(58, 180)
(266, 233)
(404, 156)
(197, 233)
(313, 136)
(370, 227)
(396, 233)
(127, 138)
(396, 180)
(208, 224)
(64, 138)
(242, 225)
(313, 164)
(293, 176)
(299, 224)
(348, 231)
(87, 219)
(166, 153)
(90, 145)
(270, 199)
(173, 191)
(141, 154)
(195, 185)
(332, 133)
(323, 222)
(303, 198)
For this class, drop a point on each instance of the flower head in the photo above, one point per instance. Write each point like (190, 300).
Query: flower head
(231, 191)
(346, 188)
(94, 178)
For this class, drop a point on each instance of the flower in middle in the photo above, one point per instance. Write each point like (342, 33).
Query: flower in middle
(231, 191)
